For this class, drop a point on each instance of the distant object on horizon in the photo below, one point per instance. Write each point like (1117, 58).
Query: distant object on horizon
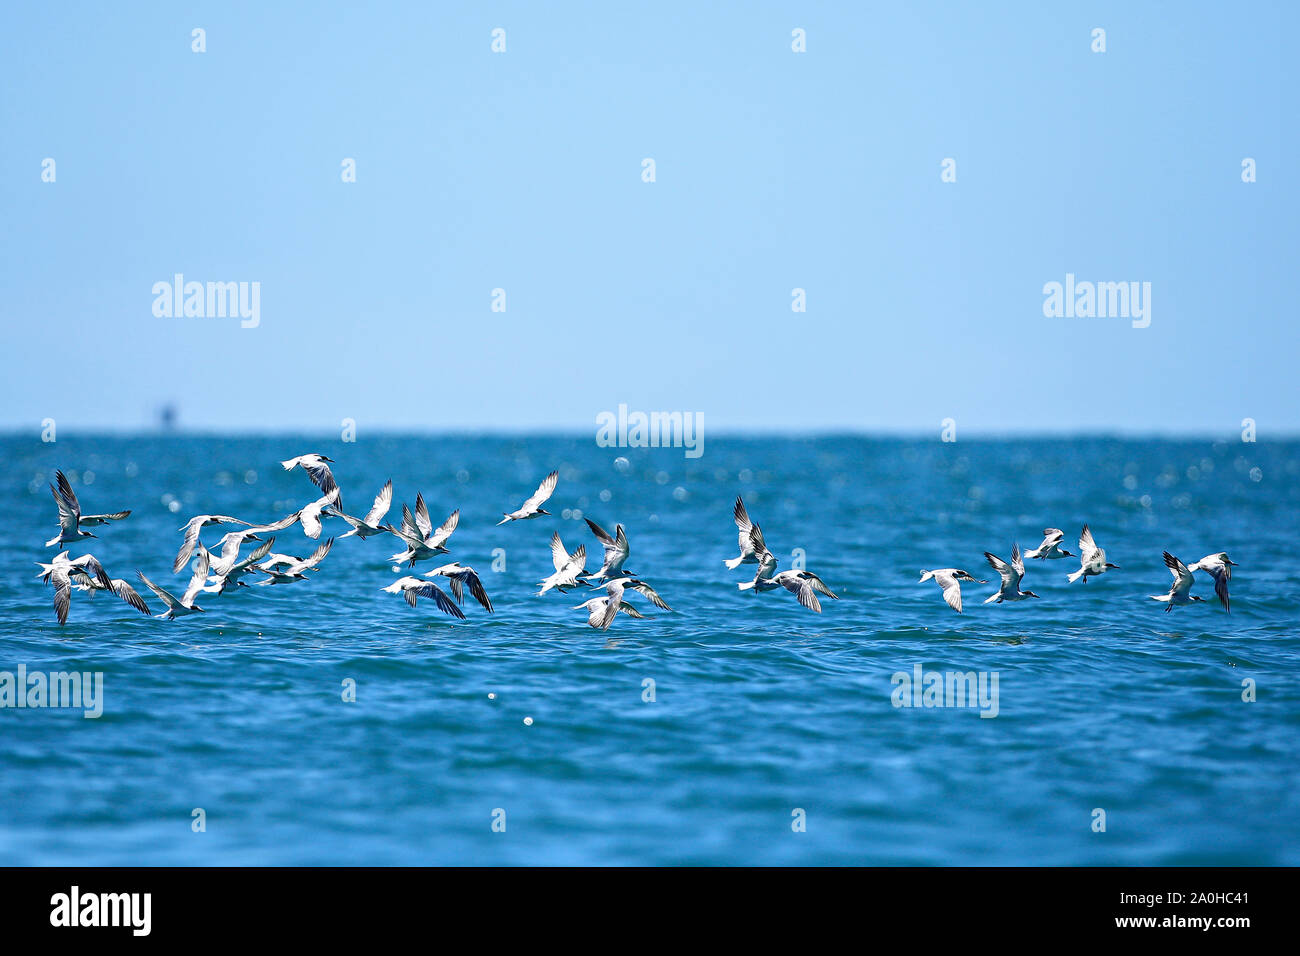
(168, 416)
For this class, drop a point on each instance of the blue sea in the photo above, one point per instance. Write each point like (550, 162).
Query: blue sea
(735, 729)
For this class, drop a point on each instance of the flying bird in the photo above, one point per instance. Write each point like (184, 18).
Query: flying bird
(1180, 592)
(802, 584)
(1012, 574)
(460, 578)
(950, 580)
(567, 566)
(231, 569)
(178, 607)
(192, 528)
(616, 552)
(532, 507)
(309, 516)
(70, 517)
(743, 524)
(1050, 548)
(417, 531)
(1092, 559)
(1219, 567)
(285, 568)
(601, 611)
(318, 470)
(412, 588)
(766, 561)
(60, 572)
(369, 525)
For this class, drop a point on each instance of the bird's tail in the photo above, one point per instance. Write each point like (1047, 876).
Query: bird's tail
(287, 465)
(348, 534)
(744, 585)
(734, 563)
(925, 575)
(992, 597)
(1075, 576)
(503, 520)
(53, 541)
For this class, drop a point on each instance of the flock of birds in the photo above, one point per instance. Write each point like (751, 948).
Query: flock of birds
(224, 567)
(1092, 562)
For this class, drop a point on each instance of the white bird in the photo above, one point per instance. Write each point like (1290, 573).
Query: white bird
(310, 514)
(531, 508)
(318, 470)
(1050, 548)
(567, 566)
(192, 528)
(950, 580)
(1012, 574)
(369, 525)
(1180, 592)
(60, 572)
(601, 611)
(412, 588)
(743, 524)
(805, 586)
(597, 612)
(70, 517)
(417, 531)
(1092, 559)
(616, 552)
(1219, 567)
(285, 568)
(462, 577)
(185, 604)
(230, 569)
(765, 559)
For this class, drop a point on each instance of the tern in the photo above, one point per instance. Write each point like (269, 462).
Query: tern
(412, 588)
(1092, 559)
(285, 568)
(1012, 574)
(1050, 548)
(310, 514)
(598, 607)
(119, 587)
(185, 604)
(746, 546)
(616, 552)
(532, 507)
(369, 525)
(950, 580)
(192, 528)
(1180, 592)
(802, 584)
(70, 517)
(417, 530)
(60, 572)
(460, 578)
(765, 559)
(567, 566)
(318, 470)
(601, 611)
(1219, 567)
(230, 569)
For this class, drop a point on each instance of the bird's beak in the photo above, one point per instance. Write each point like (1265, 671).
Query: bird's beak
(1232, 564)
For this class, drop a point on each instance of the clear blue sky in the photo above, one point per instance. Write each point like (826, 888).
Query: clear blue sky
(775, 170)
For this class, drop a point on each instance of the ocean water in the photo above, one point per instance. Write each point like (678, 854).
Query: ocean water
(765, 716)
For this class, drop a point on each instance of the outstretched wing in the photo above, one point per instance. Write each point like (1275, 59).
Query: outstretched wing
(544, 491)
(642, 588)
(383, 501)
(129, 595)
(431, 590)
(803, 590)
